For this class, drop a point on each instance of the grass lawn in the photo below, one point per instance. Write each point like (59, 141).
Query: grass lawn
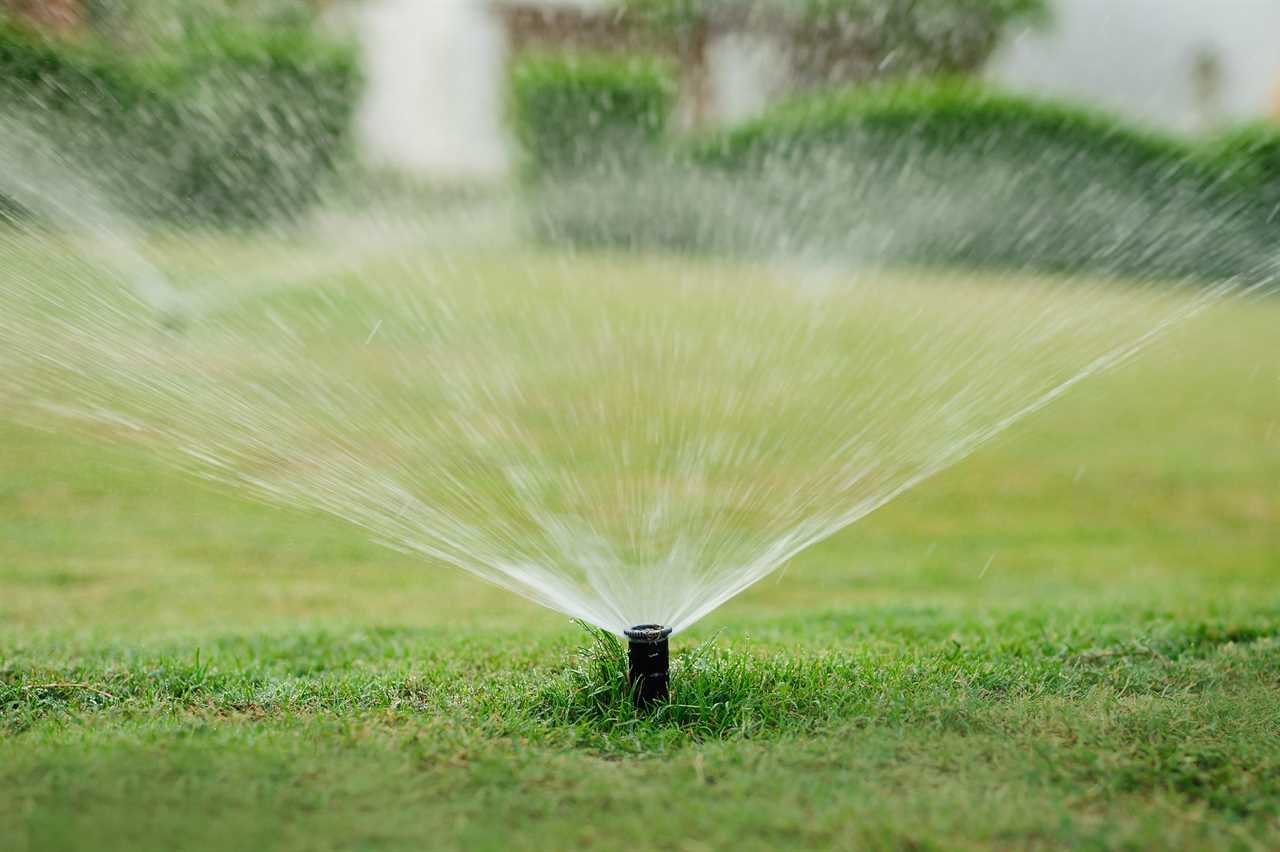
(1071, 639)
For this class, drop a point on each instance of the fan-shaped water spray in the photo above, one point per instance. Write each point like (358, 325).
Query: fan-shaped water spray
(631, 439)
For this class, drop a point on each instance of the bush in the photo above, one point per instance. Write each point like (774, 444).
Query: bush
(949, 172)
(947, 115)
(1249, 157)
(937, 173)
(581, 114)
(61, 75)
(239, 127)
(259, 122)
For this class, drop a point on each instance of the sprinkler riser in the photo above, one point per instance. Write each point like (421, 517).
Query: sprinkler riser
(648, 663)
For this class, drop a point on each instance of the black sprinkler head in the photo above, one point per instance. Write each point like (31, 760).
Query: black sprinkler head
(648, 663)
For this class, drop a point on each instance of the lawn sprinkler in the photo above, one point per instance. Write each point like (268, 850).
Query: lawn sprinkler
(648, 663)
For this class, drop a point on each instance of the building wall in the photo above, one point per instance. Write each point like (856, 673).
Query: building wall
(748, 72)
(435, 71)
(1136, 57)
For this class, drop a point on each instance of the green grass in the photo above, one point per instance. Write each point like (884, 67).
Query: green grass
(1072, 639)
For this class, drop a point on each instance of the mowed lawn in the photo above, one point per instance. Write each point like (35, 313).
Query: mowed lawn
(1071, 639)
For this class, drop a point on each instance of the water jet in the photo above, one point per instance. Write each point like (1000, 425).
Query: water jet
(648, 663)
(630, 438)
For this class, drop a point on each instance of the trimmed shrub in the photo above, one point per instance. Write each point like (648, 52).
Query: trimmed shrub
(575, 114)
(1249, 157)
(259, 123)
(947, 115)
(63, 74)
(952, 173)
(944, 173)
(239, 127)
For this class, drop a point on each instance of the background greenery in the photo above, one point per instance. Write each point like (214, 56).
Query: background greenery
(235, 121)
(573, 114)
(237, 126)
(944, 172)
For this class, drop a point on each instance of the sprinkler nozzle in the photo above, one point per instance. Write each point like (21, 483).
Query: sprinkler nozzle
(648, 663)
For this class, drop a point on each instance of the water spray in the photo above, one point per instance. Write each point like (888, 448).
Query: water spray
(648, 663)
(629, 439)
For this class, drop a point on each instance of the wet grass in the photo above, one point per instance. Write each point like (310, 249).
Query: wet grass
(721, 690)
(1049, 728)
(1072, 640)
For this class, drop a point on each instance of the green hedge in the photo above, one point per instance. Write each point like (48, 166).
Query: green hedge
(947, 115)
(954, 173)
(238, 127)
(588, 113)
(941, 172)
(1249, 158)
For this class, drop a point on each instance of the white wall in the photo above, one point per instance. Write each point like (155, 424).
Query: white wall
(1135, 57)
(435, 72)
(747, 73)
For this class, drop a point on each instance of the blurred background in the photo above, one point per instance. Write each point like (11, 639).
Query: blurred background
(435, 73)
